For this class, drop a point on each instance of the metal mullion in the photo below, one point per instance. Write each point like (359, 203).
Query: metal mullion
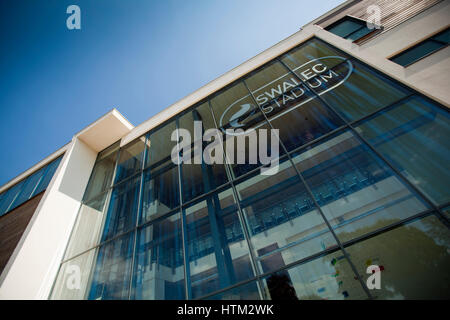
(308, 189)
(196, 199)
(439, 214)
(138, 213)
(239, 211)
(184, 240)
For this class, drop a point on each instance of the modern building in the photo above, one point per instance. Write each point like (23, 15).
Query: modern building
(361, 105)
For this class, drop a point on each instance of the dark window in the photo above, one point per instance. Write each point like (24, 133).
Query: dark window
(422, 49)
(349, 28)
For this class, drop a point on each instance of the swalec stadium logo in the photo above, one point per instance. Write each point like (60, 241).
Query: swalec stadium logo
(286, 93)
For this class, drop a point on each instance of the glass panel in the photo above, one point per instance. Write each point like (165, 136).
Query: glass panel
(413, 259)
(160, 146)
(159, 268)
(101, 176)
(199, 178)
(218, 255)
(87, 230)
(160, 193)
(235, 109)
(123, 208)
(359, 34)
(65, 287)
(106, 153)
(354, 91)
(290, 106)
(130, 159)
(417, 52)
(414, 137)
(443, 36)
(9, 197)
(356, 191)
(312, 58)
(111, 274)
(283, 223)
(326, 278)
(345, 27)
(247, 291)
(51, 169)
(29, 185)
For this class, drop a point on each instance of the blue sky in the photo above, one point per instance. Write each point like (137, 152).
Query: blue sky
(138, 56)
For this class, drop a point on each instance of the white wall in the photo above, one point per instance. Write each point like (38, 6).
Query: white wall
(33, 267)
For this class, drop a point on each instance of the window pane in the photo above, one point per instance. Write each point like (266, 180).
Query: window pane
(218, 255)
(9, 197)
(160, 146)
(414, 137)
(130, 159)
(247, 291)
(344, 28)
(443, 36)
(87, 229)
(108, 151)
(359, 34)
(44, 182)
(326, 278)
(111, 274)
(83, 265)
(290, 106)
(417, 52)
(29, 185)
(309, 55)
(122, 209)
(235, 109)
(101, 176)
(414, 260)
(282, 221)
(363, 92)
(160, 193)
(356, 191)
(199, 178)
(159, 269)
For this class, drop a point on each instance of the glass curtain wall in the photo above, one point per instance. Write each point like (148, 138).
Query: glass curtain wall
(362, 180)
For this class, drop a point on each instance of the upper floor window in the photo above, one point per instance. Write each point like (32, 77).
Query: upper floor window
(349, 28)
(423, 49)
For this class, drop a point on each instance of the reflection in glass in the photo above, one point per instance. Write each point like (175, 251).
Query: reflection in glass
(65, 285)
(356, 190)
(364, 92)
(218, 255)
(111, 274)
(123, 208)
(50, 171)
(29, 185)
(283, 222)
(87, 229)
(101, 176)
(248, 291)
(159, 272)
(414, 260)
(414, 138)
(199, 177)
(130, 159)
(160, 193)
(326, 278)
(159, 147)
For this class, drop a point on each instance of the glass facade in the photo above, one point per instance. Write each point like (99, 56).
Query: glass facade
(363, 179)
(28, 187)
